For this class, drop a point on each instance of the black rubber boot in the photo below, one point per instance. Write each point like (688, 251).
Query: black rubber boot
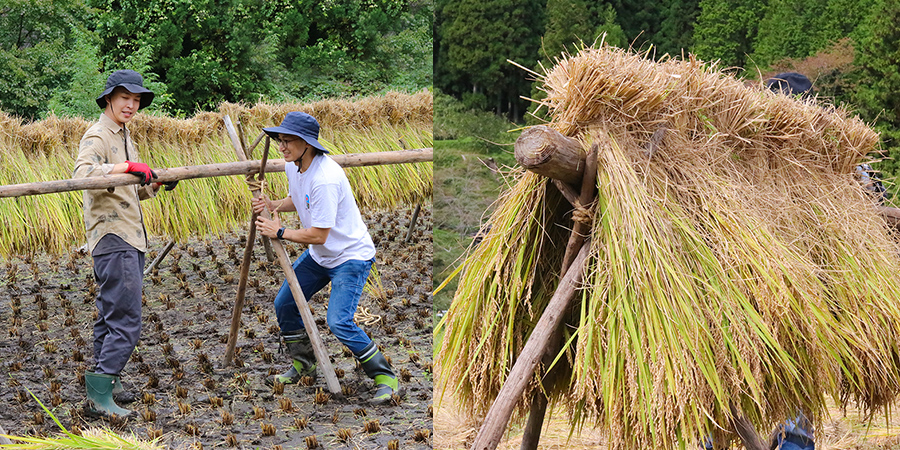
(377, 368)
(303, 359)
(99, 401)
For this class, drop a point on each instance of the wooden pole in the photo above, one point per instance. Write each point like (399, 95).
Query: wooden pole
(523, 370)
(308, 321)
(159, 258)
(242, 167)
(243, 139)
(548, 152)
(245, 270)
(412, 222)
(532, 432)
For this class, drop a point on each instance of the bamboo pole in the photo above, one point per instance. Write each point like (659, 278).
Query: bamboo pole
(245, 271)
(523, 370)
(159, 258)
(532, 432)
(308, 321)
(209, 170)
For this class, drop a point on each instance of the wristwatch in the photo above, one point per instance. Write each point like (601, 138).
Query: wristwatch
(280, 234)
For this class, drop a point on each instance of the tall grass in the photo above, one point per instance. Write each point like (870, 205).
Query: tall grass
(46, 150)
(739, 267)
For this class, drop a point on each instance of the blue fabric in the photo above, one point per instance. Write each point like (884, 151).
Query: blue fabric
(347, 281)
(793, 434)
(119, 276)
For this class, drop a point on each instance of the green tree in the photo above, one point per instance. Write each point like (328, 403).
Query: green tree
(33, 38)
(726, 30)
(676, 29)
(793, 29)
(878, 57)
(477, 39)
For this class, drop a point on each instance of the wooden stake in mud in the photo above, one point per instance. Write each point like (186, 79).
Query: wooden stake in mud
(308, 321)
(532, 432)
(245, 269)
(159, 258)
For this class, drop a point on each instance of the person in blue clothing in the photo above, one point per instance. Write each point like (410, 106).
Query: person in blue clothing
(340, 251)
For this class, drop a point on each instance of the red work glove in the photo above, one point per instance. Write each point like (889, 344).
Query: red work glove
(142, 170)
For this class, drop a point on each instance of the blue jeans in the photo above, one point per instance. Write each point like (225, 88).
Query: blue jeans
(347, 281)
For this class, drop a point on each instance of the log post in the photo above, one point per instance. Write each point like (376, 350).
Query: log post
(242, 167)
(308, 321)
(523, 370)
(548, 152)
(532, 432)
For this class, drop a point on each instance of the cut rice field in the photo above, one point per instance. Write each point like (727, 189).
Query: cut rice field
(187, 396)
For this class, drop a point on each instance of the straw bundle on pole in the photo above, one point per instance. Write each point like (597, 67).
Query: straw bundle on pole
(735, 268)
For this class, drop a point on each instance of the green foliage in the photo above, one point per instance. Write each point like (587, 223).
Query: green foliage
(484, 130)
(33, 38)
(477, 38)
(726, 30)
(799, 29)
(200, 53)
(878, 57)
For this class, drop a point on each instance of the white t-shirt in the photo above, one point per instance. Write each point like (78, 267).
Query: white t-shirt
(323, 199)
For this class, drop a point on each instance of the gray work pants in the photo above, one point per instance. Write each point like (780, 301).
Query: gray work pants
(118, 327)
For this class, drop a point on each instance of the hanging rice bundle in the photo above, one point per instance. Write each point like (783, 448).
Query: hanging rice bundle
(738, 268)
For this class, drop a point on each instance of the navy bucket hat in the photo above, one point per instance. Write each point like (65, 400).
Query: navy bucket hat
(298, 124)
(790, 83)
(132, 82)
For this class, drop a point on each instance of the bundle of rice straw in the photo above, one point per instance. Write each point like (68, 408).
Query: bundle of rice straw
(739, 266)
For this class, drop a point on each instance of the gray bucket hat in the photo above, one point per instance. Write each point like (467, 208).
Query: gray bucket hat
(130, 80)
(298, 124)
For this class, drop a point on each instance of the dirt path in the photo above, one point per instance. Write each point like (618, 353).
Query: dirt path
(187, 396)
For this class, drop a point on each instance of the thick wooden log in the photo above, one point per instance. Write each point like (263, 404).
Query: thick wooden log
(309, 322)
(209, 170)
(548, 152)
(523, 370)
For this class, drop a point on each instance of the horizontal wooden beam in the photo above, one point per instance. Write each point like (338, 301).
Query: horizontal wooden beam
(209, 170)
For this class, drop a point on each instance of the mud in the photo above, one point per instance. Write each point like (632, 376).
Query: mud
(187, 396)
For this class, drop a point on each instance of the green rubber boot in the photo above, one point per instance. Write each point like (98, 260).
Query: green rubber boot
(99, 401)
(120, 395)
(376, 367)
(303, 359)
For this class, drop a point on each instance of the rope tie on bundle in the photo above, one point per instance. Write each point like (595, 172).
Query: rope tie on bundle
(583, 214)
(253, 183)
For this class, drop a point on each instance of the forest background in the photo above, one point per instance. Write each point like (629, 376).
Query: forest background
(55, 55)
(850, 49)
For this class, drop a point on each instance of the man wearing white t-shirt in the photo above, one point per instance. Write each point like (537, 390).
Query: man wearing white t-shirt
(340, 251)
